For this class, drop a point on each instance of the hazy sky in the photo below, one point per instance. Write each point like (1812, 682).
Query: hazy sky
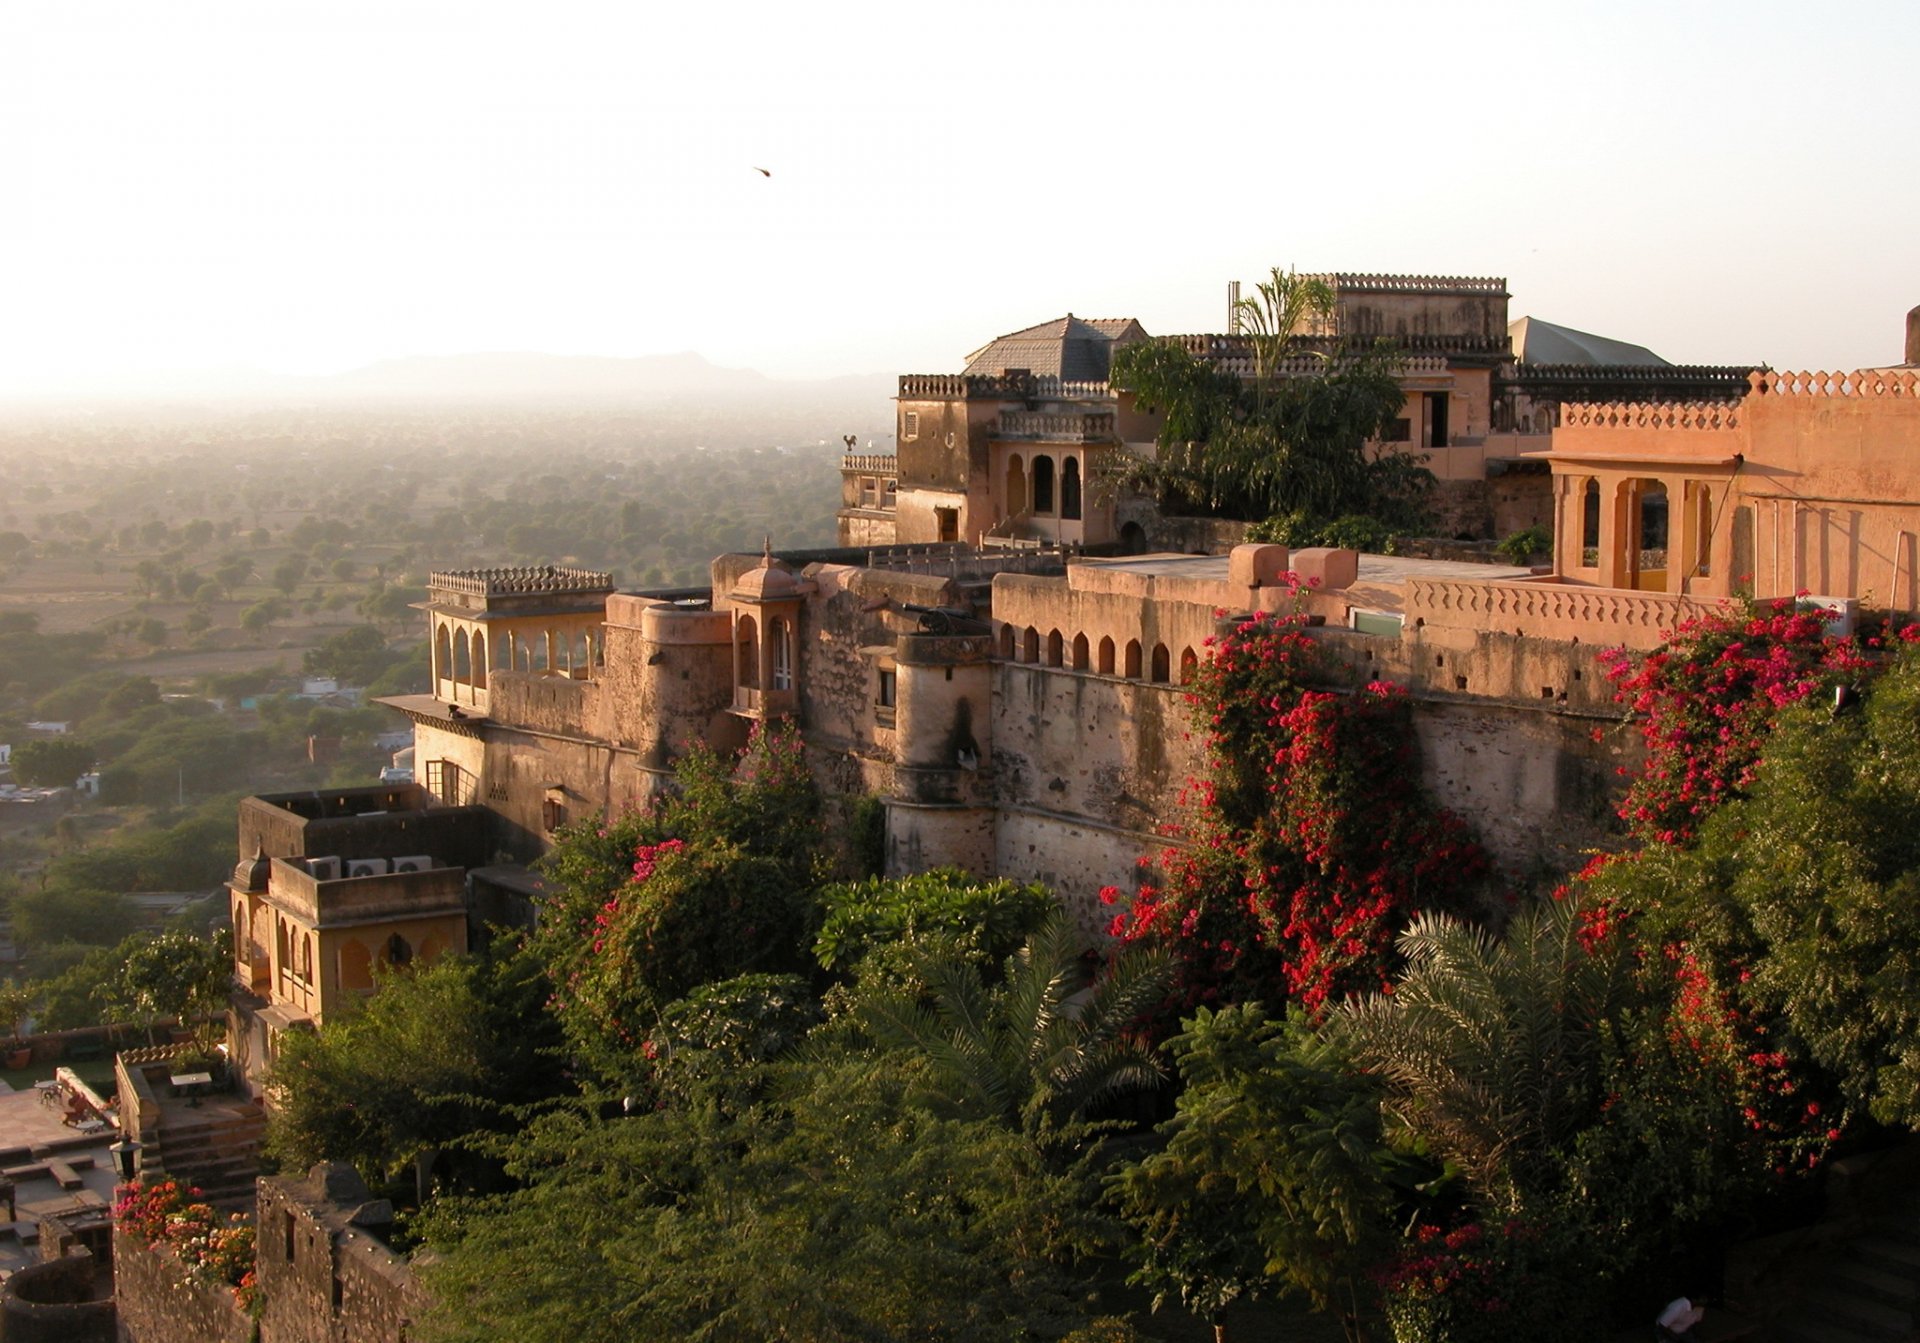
(309, 187)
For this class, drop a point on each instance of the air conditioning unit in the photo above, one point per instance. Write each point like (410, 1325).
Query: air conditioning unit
(367, 867)
(416, 862)
(1841, 613)
(324, 869)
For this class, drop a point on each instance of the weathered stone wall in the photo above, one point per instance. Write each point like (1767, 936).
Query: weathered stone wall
(542, 703)
(156, 1302)
(325, 1273)
(1086, 768)
(1462, 509)
(1178, 536)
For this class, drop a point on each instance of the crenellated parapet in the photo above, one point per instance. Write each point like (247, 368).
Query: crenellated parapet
(1864, 382)
(1709, 415)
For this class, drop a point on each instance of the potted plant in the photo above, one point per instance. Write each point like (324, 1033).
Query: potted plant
(16, 1002)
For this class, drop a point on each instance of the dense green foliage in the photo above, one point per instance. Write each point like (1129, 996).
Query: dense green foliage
(843, 1212)
(944, 909)
(54, 762)
(438, 1054)
(1275, 1176)
(1281, 441)
(717, 883)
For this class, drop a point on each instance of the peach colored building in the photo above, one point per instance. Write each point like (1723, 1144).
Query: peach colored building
(1011, 447)
(1807, 484)
(332, 886)
(1017, 705)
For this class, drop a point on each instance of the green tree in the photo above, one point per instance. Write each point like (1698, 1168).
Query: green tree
(1808, 884)
(1285, 439)
(435, 1055)
(356, 656)
(1276, 1174)
(66, 914)
(1039, 1049)
(288, 573)
(908, 917)
(174, 976)
(1490, 1048)
(259, 617)
(842, 1213)
(52, 762)
(719, 882)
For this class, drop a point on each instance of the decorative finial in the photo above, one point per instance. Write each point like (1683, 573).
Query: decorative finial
(766, 553)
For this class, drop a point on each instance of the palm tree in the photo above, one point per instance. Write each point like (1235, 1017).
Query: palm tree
(1490, 1047)
(1038, 1049)
(1285, 306)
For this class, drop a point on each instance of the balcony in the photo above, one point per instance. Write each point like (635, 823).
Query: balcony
(1042, 426)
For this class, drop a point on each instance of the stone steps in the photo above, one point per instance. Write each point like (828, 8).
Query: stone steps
(217, 1151)
(1865, 1290)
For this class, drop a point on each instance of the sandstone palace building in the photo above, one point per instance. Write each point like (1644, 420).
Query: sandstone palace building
(996, 649)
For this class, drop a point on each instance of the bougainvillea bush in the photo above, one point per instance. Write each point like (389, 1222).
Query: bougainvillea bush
(212, 1249)
(1310, 842)
(718, 882)
(1707, 700)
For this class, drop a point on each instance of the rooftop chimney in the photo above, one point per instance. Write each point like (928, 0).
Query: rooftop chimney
(1913, 336)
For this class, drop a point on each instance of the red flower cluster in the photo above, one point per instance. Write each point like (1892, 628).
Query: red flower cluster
(1310, 842)
(167, 1215)
(1707, 700)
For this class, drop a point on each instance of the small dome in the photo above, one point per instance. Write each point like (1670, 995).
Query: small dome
(250, 874)
(767, 582)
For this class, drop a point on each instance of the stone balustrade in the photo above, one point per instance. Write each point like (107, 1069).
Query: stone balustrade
(870, 463)
(1051, 426)
(519, 579)
(1416, 284)
(1601, 616)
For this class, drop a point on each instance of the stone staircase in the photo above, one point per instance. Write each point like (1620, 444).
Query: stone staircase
(1864, 1289)
(215, 1148)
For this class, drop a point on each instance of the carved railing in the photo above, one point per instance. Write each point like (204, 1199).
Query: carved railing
(871, 463)
(1234, 354)
(1010, 386)
(1865, 382)
(1416, 284)
(519, 579)
(1049, 388)
(958, 560)
(1606, 616)
(954, 386)
(1095, 427)
(1707, 415)
(1733, 377)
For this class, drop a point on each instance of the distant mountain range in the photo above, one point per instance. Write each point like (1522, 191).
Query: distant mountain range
(496, 378)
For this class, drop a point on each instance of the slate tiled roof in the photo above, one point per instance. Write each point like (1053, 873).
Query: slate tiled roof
(1538, 342)
(1071, 348)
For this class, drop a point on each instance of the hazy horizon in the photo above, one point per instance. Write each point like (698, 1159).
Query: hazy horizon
(307, 190)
